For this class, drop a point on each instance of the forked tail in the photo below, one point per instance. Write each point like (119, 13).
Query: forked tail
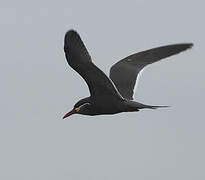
(133, 105)
(156, 107)
(142, 106)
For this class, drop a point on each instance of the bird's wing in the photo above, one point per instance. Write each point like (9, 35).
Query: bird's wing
(79, 59)
(124, 73)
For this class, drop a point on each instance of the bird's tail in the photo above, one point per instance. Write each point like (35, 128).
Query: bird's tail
(139, 106)
(142, 106)
(156, 107)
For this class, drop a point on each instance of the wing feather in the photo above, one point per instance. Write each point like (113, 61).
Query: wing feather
(125, 72)
(79, 59)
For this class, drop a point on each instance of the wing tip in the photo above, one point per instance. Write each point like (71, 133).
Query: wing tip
(188, 45)
(185, 46)
(70, 36)
(70, 33)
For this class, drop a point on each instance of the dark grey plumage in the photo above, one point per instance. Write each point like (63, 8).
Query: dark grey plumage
(124, 73)
(79, 59)
(111, 95)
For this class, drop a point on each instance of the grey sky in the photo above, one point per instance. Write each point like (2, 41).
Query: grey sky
(38, 87)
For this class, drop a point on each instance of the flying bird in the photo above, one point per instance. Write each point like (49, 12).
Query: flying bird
(113, 94)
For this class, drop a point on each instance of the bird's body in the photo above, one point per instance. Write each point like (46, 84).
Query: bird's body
(114, 94)
(103, 105)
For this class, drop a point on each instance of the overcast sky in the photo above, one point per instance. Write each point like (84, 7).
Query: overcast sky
(38, 88)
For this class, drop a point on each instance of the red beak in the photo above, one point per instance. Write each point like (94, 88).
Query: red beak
(69, 113)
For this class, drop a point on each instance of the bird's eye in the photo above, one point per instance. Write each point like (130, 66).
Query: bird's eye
(77, 109)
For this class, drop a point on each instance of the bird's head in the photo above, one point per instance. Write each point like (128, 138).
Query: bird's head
(81, 107)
